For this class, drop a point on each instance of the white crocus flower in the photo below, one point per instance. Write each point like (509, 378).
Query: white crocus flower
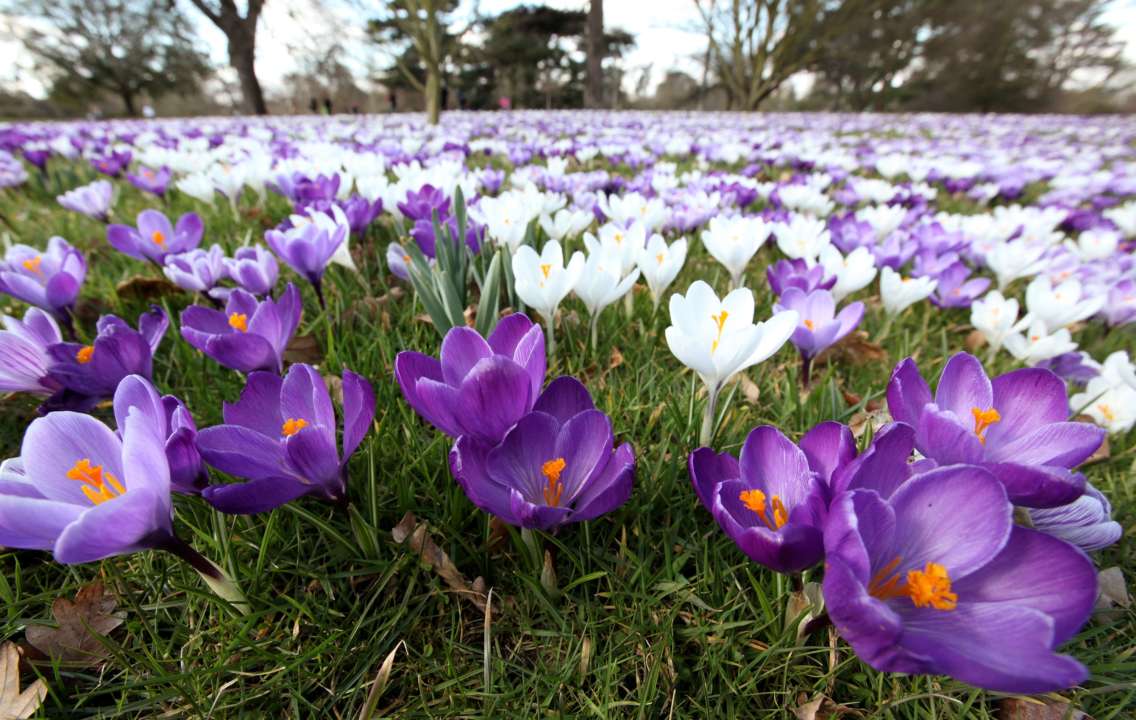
(1097, 244)
(994, 316)
(718, 338)
(1036, 343)
(1012, 260)
(331, 220)
(602, 283)
(566, 223)
(660, 264)
(621, 209)
(733, 241)
(802, 238)
(229, 180)
(543, 281)
(1119, 369)
(1113, 407)
(899, 293)
(853, 272)
(1124, 217)
(884, 219)
(1062, 305)
(622, 242)
(506, 219)
(197, 186)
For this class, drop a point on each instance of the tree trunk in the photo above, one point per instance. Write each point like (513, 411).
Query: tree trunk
(128, 102)
(242, 56)
(433, 89)
(594, 88)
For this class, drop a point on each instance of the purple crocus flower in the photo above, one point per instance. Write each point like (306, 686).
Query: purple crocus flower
(307, 250)
(303, 190)
(196, 270)
(423, 234)
(796, 273)
(281, 438)
(254, 269)
(48, 279)
(1016, 426)
(172, 423)
(938, 580)
(154, 238)
(422, 205)
(954, 290)
(771, 503)
(38, 158)
(1086, 522)
(360, 213)
(112, 164)
(820, 326)
(398, 261)
(249, 335)
(24, 359)
(557, 465)
(84, 492)
(480, 387)
(1120, 309)
(1072, 367)
(92, 200)
(155, 182)
(92, 372)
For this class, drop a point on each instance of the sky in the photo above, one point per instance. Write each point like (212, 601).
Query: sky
(667, 35)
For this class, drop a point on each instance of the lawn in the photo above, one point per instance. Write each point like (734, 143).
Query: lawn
(649, 611)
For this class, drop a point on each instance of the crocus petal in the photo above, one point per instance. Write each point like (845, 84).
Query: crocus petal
(709, 469)
(942, 437)
(493, 396)
(771, 462)
(242, 452)
(955, 516)
(304, 395)
(608, 490)
(1038, 486)
(1026, 399)
(883, 467)
(585, 444)
(409, 369)
(243, 352)
(255, 496)
(531, 515)
(462, 348)
(469, 461)
(53, 444)
(564, 398)
(1064, 444)
(32, 523)
(1041, 572)
(964, 386)
(120, 526)
(358, 411)
(517, 461)
(313, 455)
(907, 393)
(828, 446)
(259, 405)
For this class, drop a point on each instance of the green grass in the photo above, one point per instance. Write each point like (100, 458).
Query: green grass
(659, 614)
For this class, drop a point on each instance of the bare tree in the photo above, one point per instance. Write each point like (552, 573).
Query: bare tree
(756, 45)
(241, 34)
(128, 48)
(593, 89)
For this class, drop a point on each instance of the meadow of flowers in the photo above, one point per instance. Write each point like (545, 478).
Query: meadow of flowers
(726, 415)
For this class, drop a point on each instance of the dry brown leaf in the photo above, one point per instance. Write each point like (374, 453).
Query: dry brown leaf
(303, 349)
(141, 287)
(808, 601)
(861, 421)
(749, 388)
(855, 349)
(1038, 709)
(14, 704)
(334, 388)
(819, 708)
(82, 623)
(1112, 594)
(616, 358)
(379, 685)
(974, 340)
(410, 532)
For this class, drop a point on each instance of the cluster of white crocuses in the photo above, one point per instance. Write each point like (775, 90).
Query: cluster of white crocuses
(615, 261)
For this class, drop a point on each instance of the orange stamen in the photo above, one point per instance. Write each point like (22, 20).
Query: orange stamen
(720, 321)
(293, 426)
(33, 264)
(755, 501)
(239, 321)
(551, 471)
(84, 354)
(545, 268)
(983, 419)
(158, 237)
(930, 587)
(810, 325)
(98, 486)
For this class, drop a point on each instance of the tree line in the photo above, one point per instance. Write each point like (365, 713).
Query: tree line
(943, 55)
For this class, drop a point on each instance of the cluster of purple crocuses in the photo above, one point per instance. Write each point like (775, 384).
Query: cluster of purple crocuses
(537, 459)
(925, 570)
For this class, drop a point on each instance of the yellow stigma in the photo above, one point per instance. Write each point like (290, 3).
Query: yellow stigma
(551, 471)
(720, 321)
(239, 321)
(618, 237)
(983, 419)
(659, 258)
(755, 501)
(810, 325)
(293, 426)
(33, 264)
(1107, 412)
(930, 587)
(83, 356)
(98, 486)
(158, 238)
(545, 268)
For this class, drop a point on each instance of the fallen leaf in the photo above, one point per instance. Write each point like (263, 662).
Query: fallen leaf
(974, 340)
(809, 602)
(1038, 709)
(1112, 593)
(855, 349)
(616, 358)
(861, 421)
(820, 708)
(82, 624)
(335, 388)
(16, 705)
(141, 287)
(303, 349)
(749, 388)
(412, 533)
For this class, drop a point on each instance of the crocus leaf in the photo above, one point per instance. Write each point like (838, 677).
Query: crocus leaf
(14, 703)
(83, 624)
(490, 301)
